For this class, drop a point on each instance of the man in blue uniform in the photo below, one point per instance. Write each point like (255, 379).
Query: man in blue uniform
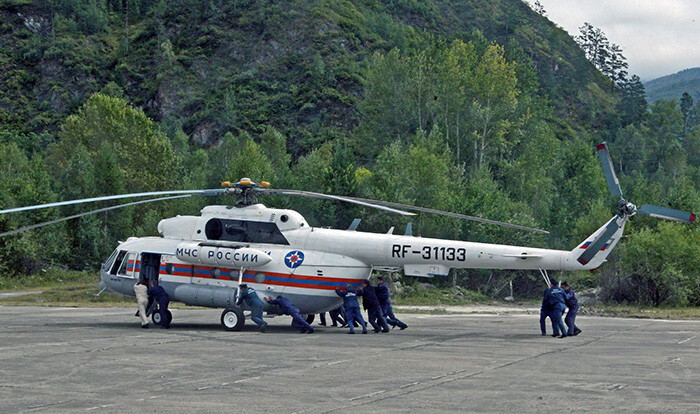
(545, 311)
(336, 317)
(287, 308)
(254, 303)
(375, 316)
(158, 294)
(556, 298)
(572, 304)
(382, 292)
(352, 308)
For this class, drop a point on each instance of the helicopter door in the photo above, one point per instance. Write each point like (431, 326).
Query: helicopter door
(150, 267)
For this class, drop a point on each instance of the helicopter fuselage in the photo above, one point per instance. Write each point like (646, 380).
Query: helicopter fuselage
(200, 260)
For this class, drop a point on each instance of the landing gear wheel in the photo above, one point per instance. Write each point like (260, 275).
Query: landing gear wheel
(232, 319)
(309, 318)
(156, 318)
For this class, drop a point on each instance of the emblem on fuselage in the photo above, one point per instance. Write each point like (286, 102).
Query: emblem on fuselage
(294, 259)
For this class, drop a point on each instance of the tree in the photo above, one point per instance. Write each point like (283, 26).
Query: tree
(661, 265)
(495, 88)
(686, 110)
(607, 57)
(633, 103)
(145, 155)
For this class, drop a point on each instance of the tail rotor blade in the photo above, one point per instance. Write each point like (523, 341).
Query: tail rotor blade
(667, 213)
(608, 169)
(599, 243)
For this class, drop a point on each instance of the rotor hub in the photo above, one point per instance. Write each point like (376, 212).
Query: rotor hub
(625, 208)
(246, 189)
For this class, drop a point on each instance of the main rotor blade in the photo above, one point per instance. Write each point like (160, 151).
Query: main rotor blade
(599, 243)
(215, 191)
(608, 169)
(451, 214)
(667, 213)
(46, 223)
(366, 203)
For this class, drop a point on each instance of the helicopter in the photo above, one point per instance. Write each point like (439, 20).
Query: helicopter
(202, 260)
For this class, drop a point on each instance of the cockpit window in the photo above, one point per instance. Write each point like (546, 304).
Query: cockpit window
(244, 231)
(127, 265)
(117, 262)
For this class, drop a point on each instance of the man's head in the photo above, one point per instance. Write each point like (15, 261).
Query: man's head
(565, 285)
(348, 286)
(380, 280)
(365, 282)
(553, 282)
(243, 286)
(279, 296)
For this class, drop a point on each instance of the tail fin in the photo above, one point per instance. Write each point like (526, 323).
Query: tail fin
(593, 251)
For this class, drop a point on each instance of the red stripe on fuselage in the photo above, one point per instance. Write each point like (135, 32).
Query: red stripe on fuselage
(249, 277)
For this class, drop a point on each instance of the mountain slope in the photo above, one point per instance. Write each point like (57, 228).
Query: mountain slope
(214, 67)
(673, 86)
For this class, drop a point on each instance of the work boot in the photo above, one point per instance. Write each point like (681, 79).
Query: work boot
(144, 326)
(263, 328)
(303, 330)
(310, 331)
(577, 331)
(402, 327)
(351, 333)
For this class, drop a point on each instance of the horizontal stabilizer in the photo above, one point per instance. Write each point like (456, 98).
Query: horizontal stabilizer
(524, 255)
(425, 270)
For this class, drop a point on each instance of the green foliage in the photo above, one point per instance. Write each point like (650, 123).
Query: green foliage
(661, 267)
(144, 153)
(487, 110)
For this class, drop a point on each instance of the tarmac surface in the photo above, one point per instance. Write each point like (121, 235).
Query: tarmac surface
(100, 360)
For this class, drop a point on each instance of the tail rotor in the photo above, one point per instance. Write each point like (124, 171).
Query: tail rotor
(625, 209)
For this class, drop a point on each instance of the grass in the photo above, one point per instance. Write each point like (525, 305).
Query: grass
(630, 311)
(416, 296)
(60, 287)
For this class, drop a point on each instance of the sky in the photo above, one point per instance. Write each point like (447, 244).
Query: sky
(658, 37)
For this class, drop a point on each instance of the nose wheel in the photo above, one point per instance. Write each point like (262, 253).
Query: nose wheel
(232, 319)
(155, 317)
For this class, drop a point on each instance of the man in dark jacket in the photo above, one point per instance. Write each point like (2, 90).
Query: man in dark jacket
(556, 297)
(158, 294)
(572, 304)
(287, 308)
(336, 317)
(352, 308)
(545, 311)
(382, 292)
(254, 303)
(371, 304)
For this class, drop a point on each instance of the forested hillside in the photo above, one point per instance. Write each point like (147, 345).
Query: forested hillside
(480, 107)
(674, 86)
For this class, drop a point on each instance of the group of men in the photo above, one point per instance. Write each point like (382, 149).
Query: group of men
(145, 297)
(376, 300)
(555, 301)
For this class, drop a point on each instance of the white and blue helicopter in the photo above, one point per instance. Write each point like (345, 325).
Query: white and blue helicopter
(201, 260)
